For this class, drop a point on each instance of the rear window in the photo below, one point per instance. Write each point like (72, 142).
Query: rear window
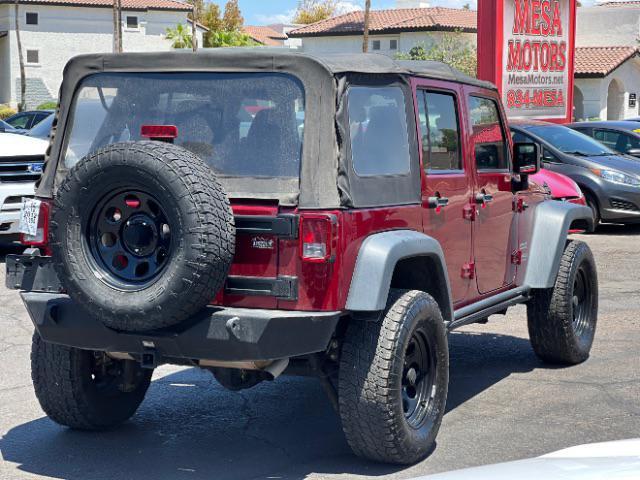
(241, 124)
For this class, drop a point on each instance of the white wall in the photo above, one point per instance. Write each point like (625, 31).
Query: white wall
(608, 26)
(64, 32)
(353, 43)
(595, 90)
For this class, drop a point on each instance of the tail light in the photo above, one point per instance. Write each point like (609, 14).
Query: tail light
(41, 238)
(318, 237)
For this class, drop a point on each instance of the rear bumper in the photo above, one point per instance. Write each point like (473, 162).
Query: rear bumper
(220, 334)
(216, 333)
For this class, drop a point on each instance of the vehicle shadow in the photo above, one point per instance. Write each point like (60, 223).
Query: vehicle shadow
(617, 230)
(190, 427)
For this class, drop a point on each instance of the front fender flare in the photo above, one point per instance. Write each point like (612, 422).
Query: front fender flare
(552, 222)
(377, 260)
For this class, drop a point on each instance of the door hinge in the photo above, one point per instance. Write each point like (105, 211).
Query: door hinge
(516, 257)
(470, 212)
(520, 205)
(469, 270)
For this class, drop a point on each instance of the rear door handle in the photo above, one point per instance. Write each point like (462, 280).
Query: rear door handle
(483, 198)
(437, 202)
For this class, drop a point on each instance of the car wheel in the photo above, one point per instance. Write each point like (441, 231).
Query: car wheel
(143, 235)
(85, 390)
(393, 380)
(562, 320)
(592, 203)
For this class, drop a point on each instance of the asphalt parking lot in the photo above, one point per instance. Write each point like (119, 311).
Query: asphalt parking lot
(503, 405)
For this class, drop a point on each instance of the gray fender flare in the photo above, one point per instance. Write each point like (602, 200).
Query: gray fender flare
(376, 261)
(551, 226)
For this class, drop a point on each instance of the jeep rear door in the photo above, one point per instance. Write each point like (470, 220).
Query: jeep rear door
(446, 178)
(495, 232)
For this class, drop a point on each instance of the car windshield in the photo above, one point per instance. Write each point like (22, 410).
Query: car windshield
(42, 129)
(242, 125)
(569, 141)
(5, 126)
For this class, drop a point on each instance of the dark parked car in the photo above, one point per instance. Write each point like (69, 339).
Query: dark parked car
(6, 128)
(621, 136)
(609, 180)
(43, 129)
(25, 121)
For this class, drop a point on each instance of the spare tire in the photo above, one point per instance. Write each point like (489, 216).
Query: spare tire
(142, 234)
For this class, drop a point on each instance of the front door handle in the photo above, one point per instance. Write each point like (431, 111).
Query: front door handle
(437, 202)
(483, 198)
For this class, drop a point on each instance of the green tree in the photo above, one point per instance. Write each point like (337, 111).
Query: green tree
(211, 17)
(452, 48)
(232, 20)
(180, 37)
(230, 39)
(312, 11)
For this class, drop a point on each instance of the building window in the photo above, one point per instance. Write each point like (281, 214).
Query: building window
(393, 44)
(132, 23)
(33, 57)
(32, 18)
(375, 45)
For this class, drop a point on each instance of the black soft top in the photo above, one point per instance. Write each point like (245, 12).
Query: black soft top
(320, 184)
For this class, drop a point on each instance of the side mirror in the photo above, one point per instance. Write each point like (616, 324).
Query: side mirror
(634, 152)
(526, 159)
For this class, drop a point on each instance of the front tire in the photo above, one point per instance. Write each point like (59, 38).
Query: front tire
(562, 320)
(393, 380)
(85, 390)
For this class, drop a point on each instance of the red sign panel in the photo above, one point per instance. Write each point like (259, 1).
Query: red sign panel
(526, 47)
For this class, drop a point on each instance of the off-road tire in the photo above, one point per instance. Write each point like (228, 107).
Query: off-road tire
(371, 376)
(202, 229)
(63, 383)
(555, 336)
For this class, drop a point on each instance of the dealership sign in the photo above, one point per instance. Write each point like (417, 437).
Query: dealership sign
(526, 48)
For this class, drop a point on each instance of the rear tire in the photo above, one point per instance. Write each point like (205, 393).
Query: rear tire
(393, 380)
(75, 391)
(562, 320)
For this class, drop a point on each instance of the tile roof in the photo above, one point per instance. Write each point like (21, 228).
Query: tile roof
(126, 4)
(601, 61)
(435, 18)
(265, 35)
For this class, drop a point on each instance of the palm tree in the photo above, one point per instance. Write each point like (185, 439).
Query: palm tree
(23, 77)
(180, 37)
(367, 22)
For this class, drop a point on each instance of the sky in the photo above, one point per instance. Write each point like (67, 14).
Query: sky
(264, 12)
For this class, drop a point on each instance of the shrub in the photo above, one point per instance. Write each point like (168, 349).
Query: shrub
(6, 112)
(48, 106)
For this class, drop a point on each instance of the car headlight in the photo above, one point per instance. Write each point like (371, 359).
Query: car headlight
(617, 177)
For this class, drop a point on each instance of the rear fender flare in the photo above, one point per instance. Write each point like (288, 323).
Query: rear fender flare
(552, 222)
(376, 262)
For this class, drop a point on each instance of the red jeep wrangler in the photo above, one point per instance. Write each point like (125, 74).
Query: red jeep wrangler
(257, 213)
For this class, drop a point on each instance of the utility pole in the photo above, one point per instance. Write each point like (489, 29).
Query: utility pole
(367, 23)
(22, 105)
(194, 27)
(117, 26)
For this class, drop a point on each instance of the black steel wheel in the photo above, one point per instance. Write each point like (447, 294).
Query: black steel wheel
(562, 320)
(418, 378)
(142, 235)
(129, 239)
(393, 380)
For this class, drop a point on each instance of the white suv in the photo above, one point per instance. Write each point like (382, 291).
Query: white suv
(21, 160)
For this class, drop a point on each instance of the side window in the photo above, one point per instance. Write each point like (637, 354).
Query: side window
(378, 130)
(488, 135)
(519, 137)
(618, 141)
(20, 121)
(549, 157)
(440, 132)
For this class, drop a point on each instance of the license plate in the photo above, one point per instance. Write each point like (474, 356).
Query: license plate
(29, 214)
